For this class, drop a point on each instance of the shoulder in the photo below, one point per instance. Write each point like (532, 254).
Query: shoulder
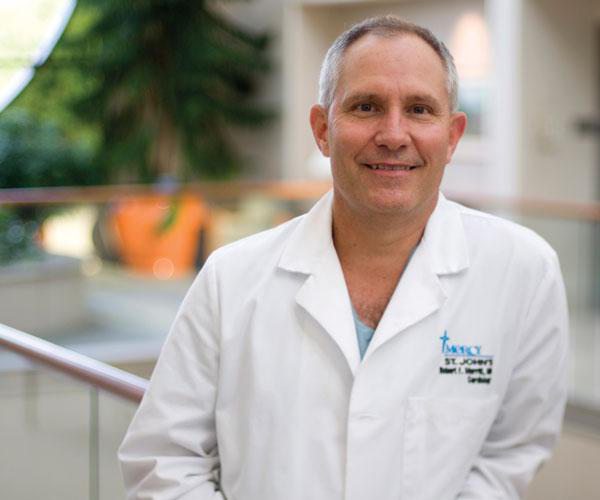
(233, 270)
(294, 242)
(498, 240)
(258, 251)
(260, 243)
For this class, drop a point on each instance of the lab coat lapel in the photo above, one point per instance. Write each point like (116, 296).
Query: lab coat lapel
(419, 293)
(325, 297)
(324, 294)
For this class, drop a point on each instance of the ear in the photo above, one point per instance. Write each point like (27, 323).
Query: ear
(458, 124)
(320, 128)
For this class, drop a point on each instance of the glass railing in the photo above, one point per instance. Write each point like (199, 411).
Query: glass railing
(62, 417)
(118, 309)
(577, 244)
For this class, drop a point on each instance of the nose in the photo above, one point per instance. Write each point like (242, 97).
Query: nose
(393, 131)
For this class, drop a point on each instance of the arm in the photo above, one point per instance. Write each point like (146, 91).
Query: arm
(170, 450)
(529, 420)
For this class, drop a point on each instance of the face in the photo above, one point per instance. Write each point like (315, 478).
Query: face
(389, 131)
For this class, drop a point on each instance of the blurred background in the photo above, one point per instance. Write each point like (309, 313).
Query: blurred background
(137, 137)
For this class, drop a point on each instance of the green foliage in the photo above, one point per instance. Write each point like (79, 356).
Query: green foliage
(59, 83)
(170, 217)
(155, 86)
(36, 154)
(17, 237)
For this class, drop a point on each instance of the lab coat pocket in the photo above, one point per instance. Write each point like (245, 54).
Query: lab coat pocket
(442, 439)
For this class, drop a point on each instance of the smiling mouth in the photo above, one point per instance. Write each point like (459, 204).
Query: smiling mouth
(391, 167)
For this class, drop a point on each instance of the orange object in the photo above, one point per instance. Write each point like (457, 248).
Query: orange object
(159, 234)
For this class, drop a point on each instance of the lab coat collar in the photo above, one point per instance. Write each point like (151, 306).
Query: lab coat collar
(324, 295)
(311, 239)
(445, 239)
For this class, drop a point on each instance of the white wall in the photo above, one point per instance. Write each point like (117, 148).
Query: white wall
(559, 82)
(309, 28)
(554, 84)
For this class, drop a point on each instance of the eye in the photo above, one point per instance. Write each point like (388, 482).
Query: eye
(365, 107)
(419, 109)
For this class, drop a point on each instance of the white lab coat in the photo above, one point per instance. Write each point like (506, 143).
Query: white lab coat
(260, 388)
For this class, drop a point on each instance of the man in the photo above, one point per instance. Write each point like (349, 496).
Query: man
(387, 345)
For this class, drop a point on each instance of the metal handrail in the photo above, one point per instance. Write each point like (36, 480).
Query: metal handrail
(132, 388)
(85, 369)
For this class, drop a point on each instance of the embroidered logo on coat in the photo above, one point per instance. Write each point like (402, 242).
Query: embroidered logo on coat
(465, 360)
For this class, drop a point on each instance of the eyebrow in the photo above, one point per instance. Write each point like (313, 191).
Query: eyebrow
(412, 98)
(352, 98)
(426, 98)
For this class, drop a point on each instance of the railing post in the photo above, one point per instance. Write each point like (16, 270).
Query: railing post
(94, 446)
(596, 304)
(31, 399)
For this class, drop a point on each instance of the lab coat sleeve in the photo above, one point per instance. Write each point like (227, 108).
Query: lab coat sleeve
(529, 421)
(170, 450)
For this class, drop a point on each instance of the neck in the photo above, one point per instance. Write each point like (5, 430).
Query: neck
(376, 236)
(373, 249)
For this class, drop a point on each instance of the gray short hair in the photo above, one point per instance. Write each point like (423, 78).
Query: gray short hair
(385, 26)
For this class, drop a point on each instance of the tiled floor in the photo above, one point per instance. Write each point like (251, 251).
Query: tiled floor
(574, 471)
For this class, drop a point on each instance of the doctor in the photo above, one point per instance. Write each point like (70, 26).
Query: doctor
(387, 345)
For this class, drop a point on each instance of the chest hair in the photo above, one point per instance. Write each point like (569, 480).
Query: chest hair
(370, 293)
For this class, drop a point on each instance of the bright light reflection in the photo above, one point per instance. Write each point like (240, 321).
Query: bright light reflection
(163, 268)
(470, 46)
(70, 233)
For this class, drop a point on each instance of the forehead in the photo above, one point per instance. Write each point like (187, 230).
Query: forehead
(401, 62)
